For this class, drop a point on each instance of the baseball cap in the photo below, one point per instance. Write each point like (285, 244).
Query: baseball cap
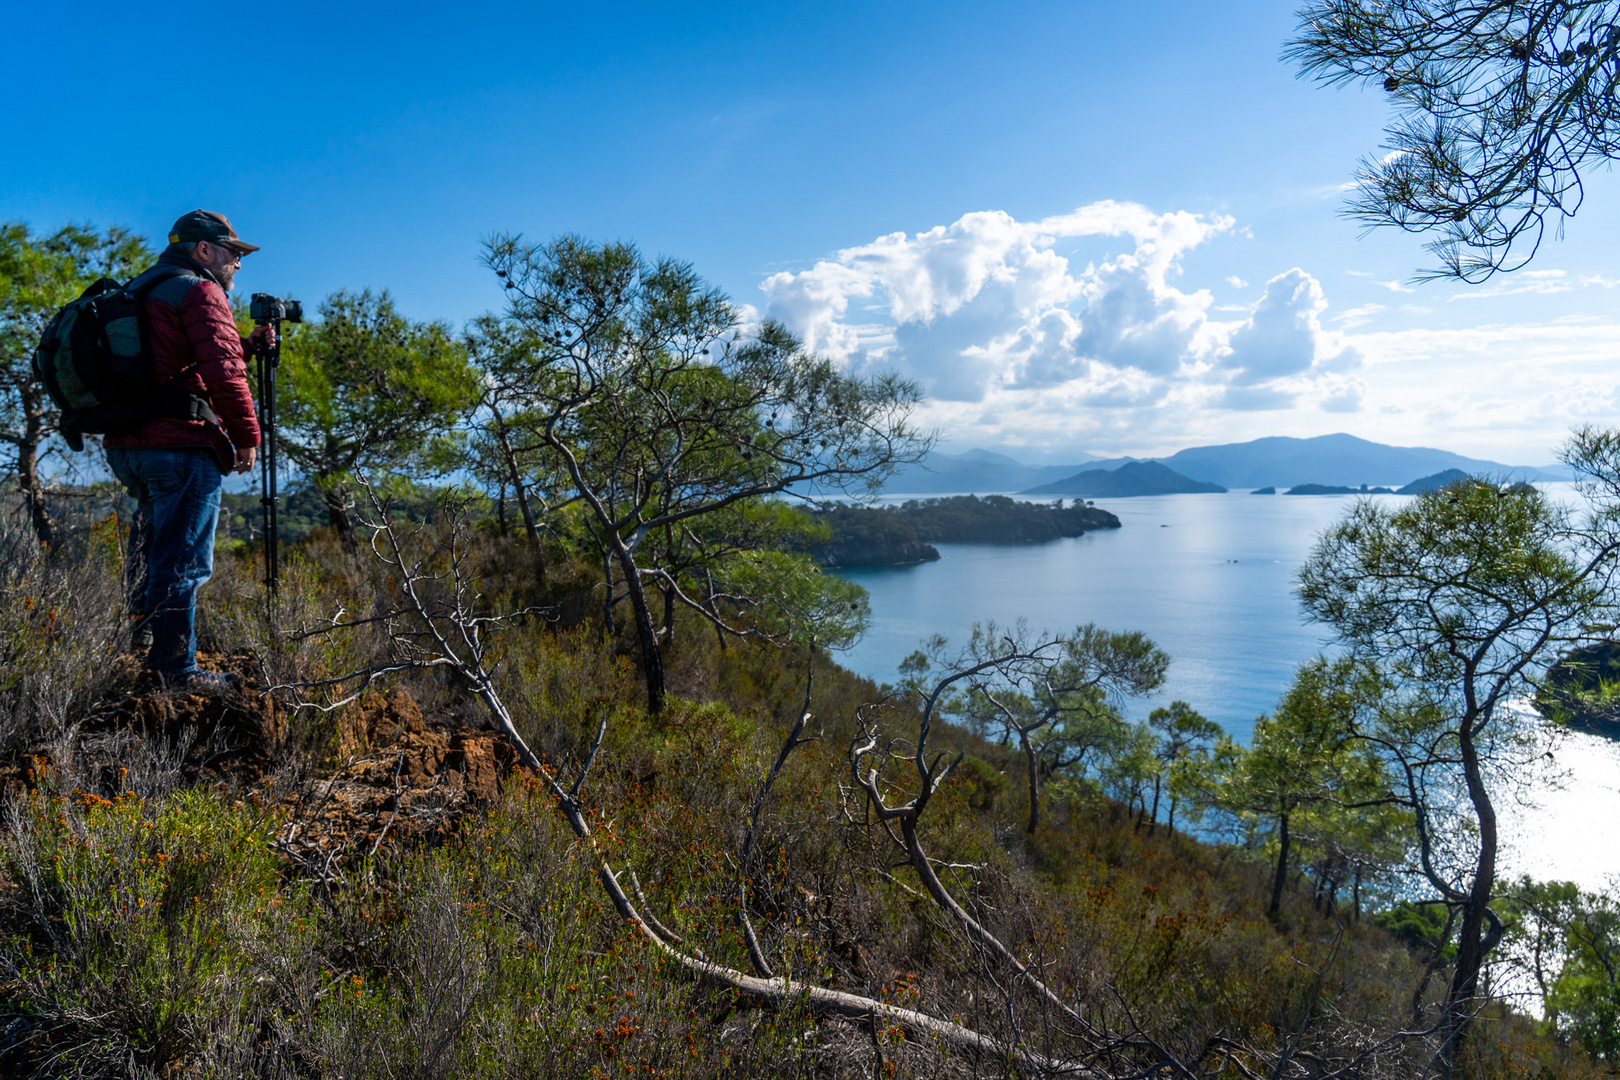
(209, 226)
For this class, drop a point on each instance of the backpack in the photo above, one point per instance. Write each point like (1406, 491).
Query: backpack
(96, 365)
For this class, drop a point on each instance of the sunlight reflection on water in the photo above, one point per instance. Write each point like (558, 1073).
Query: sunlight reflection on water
(1570, 832)
(1210, 578)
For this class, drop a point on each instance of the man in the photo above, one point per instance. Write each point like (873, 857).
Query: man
(175, 467)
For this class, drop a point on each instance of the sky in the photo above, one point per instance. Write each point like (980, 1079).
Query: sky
(1080, 226)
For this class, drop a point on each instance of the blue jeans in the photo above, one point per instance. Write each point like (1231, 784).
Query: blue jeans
(171, 545)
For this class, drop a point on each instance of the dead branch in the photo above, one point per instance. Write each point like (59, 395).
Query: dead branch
(866, 764)
(455, 635)
(590, 759)
(756, 955)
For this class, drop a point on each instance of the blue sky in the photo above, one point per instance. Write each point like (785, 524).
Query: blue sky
(1083, 226)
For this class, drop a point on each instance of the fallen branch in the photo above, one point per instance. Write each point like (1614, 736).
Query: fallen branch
(459, 646)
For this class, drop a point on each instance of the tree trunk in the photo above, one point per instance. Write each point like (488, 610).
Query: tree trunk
(33, 435)
(1474, 941)
(1154, 816)
(500, 512)
(531, 527)
(667, 588)
(335, 496)
(652, 661)
(519, 491)
(1282, 864)
(33, 491)
(1034, 784)
(708, 601)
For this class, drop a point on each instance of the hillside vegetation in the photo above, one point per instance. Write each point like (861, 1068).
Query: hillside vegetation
(251, 887)
(550, 770)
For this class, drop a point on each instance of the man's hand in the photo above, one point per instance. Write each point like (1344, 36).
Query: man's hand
(263, 338)
(245, 458)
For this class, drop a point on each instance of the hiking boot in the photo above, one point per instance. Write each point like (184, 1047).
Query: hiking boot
(211, 684)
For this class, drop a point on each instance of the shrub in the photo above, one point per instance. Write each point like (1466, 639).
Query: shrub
(143, 934)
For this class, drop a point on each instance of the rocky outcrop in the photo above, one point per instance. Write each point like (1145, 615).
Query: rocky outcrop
(390, 773)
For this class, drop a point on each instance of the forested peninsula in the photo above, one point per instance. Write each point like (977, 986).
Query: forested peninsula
(905, 534)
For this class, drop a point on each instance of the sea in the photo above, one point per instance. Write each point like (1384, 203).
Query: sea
(1210, 578)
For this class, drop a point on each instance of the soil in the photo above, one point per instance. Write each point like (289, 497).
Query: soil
(388, 775)
(399, 776)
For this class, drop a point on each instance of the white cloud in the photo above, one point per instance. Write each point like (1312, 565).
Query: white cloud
(1539, 282)
(1394, 286)
(1237, 282)
(1345, 398)
(1331, 191)
(1351, 318)
(1283, 336)
(1254, 398)
(987, 301)
(1080, 330)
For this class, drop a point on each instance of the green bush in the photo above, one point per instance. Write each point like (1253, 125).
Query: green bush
(143, 932)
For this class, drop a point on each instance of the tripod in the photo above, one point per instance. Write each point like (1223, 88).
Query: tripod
(267, 361)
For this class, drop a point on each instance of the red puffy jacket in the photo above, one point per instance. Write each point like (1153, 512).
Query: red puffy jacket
(195, 343)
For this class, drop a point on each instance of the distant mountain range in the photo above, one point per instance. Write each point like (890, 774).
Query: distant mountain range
(1276, 461)
(1341, 460)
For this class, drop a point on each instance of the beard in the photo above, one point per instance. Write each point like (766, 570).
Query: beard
(225, 276)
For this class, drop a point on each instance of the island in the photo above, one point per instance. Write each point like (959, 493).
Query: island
(905, 534)
(1432, 483)
(1335, 489)
(1130, 479)
(1264, 491)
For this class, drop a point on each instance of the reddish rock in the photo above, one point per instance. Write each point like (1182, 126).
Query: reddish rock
(482, 758)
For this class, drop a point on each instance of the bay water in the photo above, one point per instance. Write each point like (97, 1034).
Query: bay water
(1210, 579)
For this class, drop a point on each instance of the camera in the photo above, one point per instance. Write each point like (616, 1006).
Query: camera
(266, 308)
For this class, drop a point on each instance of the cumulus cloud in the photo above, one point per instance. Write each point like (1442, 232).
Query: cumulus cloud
(989, 302)
(1281, 342)
(1082, 329)
(1083, 311)
(1279, 338)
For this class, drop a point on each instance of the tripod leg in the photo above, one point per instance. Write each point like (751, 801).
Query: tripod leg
(267, 471)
